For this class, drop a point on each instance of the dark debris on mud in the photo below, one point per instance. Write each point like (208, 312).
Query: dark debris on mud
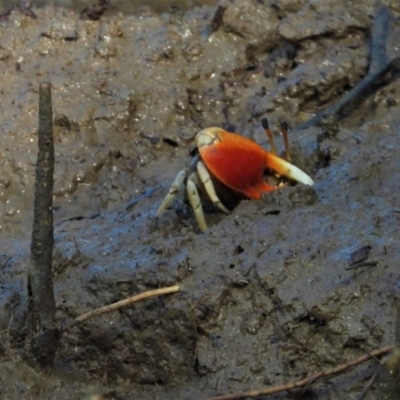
(267, 294)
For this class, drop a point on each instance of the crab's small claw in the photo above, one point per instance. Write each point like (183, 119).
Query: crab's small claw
(286, 169)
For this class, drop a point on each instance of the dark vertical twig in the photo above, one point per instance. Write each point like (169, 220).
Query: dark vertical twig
(41, 302)
(42, 234)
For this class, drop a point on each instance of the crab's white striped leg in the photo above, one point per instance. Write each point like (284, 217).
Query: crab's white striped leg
(194, 200)
(208, 185)
(172, 193)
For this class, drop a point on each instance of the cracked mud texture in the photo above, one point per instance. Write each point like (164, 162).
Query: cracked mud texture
(267, 294)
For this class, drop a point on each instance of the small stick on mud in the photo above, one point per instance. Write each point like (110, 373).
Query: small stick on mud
(218, 18)
(380, 65)
(306, 381)
(120, 304)
(216, 22)
(368, 386)
(41, 301)
(362, 265)
(389, 374)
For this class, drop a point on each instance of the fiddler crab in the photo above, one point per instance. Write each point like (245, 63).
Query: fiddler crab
(239, 163)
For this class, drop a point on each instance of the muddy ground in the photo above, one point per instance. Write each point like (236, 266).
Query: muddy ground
(267, 294)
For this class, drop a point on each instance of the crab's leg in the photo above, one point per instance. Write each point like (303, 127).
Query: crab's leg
(172, 193)
(194, 200)
(208, 185)
(265, 125)
(284, 130)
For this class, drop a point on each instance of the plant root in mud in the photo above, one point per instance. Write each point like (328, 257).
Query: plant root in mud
(381, 65)
(306, 382)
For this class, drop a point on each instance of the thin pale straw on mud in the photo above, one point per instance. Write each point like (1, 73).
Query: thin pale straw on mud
(120, 304)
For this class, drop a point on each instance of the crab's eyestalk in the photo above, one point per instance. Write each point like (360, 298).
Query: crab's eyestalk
(284, 130)
(285, 168)
(265, 125)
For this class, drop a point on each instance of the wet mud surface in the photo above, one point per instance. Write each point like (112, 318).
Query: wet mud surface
(270, 293)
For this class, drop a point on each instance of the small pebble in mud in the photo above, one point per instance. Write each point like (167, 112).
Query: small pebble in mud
(193, 50)
(391, 101)
(63, 121)
(288, 198)
(95, 11)
(280, 60)
(360, 255)
(303, 196)
(105, 50)
(274, 339)
(252, 323)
